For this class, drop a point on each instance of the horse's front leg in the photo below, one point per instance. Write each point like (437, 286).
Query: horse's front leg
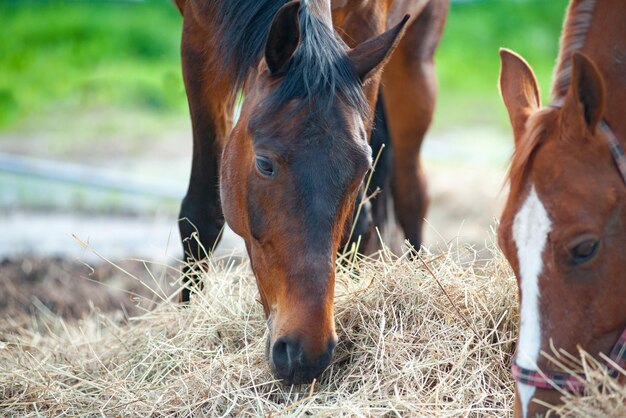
(211, 100)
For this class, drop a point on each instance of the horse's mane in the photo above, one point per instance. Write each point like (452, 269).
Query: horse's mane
(575, 27)
(536, 131)
(319, 69)
(574, 33)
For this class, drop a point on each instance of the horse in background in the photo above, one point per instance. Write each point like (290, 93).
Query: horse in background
(563, 228)
(290, 170)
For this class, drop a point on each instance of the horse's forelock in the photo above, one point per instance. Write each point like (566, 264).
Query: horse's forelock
(538, 128)
(320, 70)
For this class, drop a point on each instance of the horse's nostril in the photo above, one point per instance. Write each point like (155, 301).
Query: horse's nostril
(285, 355)
(290, 363)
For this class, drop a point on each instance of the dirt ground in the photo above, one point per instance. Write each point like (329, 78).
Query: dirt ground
(33, 286)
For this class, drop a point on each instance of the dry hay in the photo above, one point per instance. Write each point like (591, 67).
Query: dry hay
(413, 340)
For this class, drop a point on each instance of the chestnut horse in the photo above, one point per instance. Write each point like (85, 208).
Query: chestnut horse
(563, 228)
(291, 168)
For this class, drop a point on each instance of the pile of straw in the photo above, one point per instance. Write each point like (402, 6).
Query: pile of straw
(426, 337)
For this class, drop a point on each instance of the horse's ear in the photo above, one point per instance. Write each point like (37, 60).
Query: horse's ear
(519, 89)
(370, 56)
(283, 38)
(586, 92)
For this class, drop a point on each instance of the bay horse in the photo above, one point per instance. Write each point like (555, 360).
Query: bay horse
(290, 170)
(563, 228)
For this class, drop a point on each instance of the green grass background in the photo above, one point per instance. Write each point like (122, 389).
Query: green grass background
(64, 57)
(69, 57)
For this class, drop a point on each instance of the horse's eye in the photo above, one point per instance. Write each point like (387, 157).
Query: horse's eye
(583, 251)
(265, 166)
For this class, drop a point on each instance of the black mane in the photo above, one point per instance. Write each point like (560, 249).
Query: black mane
(319, 70)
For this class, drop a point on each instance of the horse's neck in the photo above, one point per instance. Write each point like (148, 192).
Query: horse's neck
(605, 43)
(606, 46)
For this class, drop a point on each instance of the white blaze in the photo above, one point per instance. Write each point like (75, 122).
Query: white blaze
(530, 233)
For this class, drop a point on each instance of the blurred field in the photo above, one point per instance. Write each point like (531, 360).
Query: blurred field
(468, 63)
(61, 57)
(67, 58)
(98, 83)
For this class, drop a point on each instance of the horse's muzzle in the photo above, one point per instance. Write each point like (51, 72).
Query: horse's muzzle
(289, 362)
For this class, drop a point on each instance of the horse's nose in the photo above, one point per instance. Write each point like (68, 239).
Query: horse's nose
(290, 363)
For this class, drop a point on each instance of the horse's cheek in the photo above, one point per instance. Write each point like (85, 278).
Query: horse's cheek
(233, 196)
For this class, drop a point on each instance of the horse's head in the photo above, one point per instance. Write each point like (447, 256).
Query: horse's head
(563, 228)
(290, 173)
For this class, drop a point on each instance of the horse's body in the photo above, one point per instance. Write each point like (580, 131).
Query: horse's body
(408, 96)
(292, 167)
(563, 228)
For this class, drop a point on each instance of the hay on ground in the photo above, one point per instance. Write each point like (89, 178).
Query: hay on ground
(418, 338)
